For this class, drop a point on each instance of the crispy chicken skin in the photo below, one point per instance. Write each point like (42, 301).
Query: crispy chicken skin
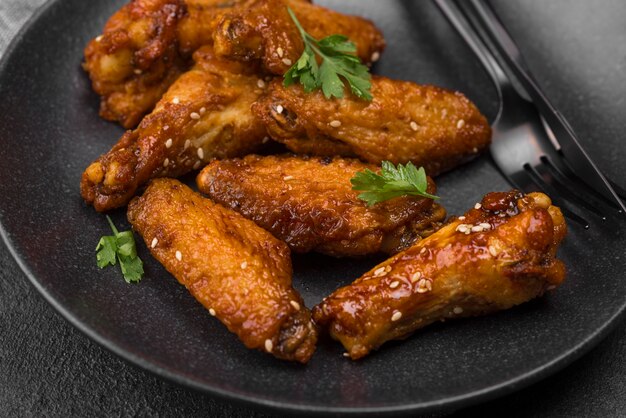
(263, 30)
(204, 115)
(430, 126)
(238, 271)
(498, 256)
(309, 203)
(147, 44)
(136, 59)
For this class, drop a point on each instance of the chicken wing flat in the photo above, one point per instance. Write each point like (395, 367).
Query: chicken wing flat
(497, 256)
(136, 59)
(263, 30)
(204, 115)
(309, 204)
(430, 126)
(238, 271)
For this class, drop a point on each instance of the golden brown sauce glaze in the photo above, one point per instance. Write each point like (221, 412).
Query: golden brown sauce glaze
(238, 271)
(499, 254)
(308, 202)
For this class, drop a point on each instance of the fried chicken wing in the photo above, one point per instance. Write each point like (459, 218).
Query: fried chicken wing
(497, 256)
(238, 271)
(309, 203)
(430, 126)
(136, 58)
(204, 115)
(263, 30)
(147, 44)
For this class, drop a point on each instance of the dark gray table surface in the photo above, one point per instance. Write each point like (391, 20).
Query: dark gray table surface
(577, 50)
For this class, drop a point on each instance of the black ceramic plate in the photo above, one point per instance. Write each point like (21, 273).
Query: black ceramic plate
(50, 131)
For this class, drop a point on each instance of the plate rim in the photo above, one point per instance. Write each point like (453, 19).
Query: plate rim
(447, 404)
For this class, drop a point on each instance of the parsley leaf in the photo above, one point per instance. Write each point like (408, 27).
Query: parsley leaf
(120, 247)
(392, 182)
(337, 62)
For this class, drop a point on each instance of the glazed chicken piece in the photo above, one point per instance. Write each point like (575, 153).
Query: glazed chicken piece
(136, 59)
(309, 203)
(238, 271)
(263, 30)
(496, 256)
(204, 115)
(430, 126)
(147, 44)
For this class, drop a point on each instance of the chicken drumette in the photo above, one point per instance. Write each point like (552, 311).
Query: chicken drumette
(430, 126)
(309, 203)
(147, 44)
(498, 255)
(238, 271)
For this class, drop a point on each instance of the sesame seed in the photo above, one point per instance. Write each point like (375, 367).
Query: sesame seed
(457, 310)
(166, 162)
(279, 109)
(477, 228)
(200, 153)
(187, 144)
(485, 225)
(461, 228)
(394, 284)
(423, 250)
(154, 243)
(168, 143)
(179, 255)
(202, 110)
(295, 305)
(279, 51)
(260, 83)
(379, 272)
(416, 276)
(287, 178)
(98, 38)
(286, 61)
(493, 251)
(475, 150)
(166, 127)
(375, 56)
(424, 285)
(335, 123)
(414, 125)
(244, 264)
(197, 165)
(176, 100)
(461, 218)
(137, 71)
(269, 345)
(478, 206)
(212, 311)
(346, 354)
(460, 124)
(265, 140)
(396, 316)
(194, 116)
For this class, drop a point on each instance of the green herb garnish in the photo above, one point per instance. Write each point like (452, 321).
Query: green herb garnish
(120, 247)
(337, 60)
(392, 182)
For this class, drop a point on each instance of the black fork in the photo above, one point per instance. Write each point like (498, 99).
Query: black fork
(535, 151)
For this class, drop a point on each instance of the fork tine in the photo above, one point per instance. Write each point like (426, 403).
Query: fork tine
(551, 176)
(527, 182)
(555, 196)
